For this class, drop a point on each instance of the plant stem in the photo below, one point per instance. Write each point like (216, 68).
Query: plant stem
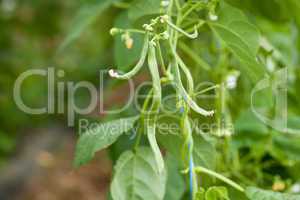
(145, 106)
(161, 59)
(135, 31)
(220, 177)
(207, 89)
(177, 3)
(197, 5)
(176, 28)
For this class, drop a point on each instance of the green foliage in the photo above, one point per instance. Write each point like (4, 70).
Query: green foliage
(200, 195)
(249, 131)
(100, 137)
(141, 8)
(30, 31)
(225, 38)
(86, 15)
(286, 147)
(125, 57)
(241, 37)
(258, 194)
(137, 177)
(204, 153)
(175, 186)
(251, 36)
(6, 143)
(213, 193)
(217, 193)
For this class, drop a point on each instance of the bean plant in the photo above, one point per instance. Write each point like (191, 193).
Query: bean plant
(192, 164)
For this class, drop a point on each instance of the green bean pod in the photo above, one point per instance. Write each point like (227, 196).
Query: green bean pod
(154, 110)
(185, 95)
(137, 67)
(187, 73)
(176, 28)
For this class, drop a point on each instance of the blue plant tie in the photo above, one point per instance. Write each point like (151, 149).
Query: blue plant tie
(191, 166)
(181, 110)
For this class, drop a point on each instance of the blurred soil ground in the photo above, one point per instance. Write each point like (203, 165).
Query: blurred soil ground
(49, 175)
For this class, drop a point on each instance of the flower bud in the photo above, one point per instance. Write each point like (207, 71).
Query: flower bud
(213, 17)
(129, 43)
(165, 35)
(114, 31)
(232, 79)
(164, 18)
(165, 3)
(148, 27)
(112, 73)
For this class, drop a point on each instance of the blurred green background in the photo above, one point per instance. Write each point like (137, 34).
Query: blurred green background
(30, 34)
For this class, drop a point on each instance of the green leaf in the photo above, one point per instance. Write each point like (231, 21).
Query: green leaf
(124, 57)
(286, 147)
(233, 19)
(241, 37)
(228, 13)
(100, 137)
(141, 8)
(294, 123)
(86, 15)
(250, 132)
(172, 143)
(249, 123)
(136, 177)
(200, 195)
(216, 193)
(175, 183)
(204, 152)
(273, 10)
(294, 7)
(258, 194)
